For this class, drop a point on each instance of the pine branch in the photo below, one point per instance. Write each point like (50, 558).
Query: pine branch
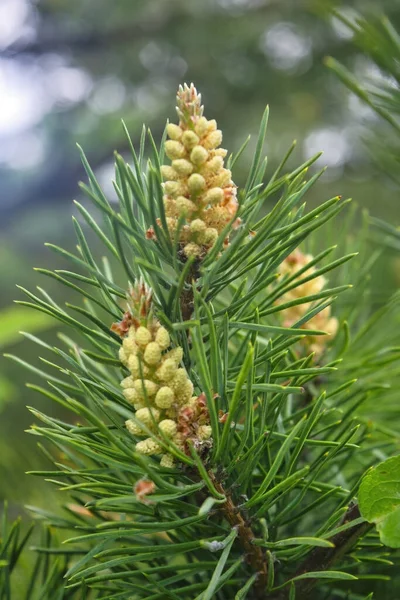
(187, 298)
(232, 398)
(255, 555)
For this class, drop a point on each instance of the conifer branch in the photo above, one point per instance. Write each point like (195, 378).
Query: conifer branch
(255, 555)
(136, 460)
(187, 299)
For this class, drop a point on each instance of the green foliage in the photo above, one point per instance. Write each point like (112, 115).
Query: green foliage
(379, 499)
(379, 40)
(267, 511)
(22, 575)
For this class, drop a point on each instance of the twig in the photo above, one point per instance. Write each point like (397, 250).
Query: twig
(254, 554)
(186, 298)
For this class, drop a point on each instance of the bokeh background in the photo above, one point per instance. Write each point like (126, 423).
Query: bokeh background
(71, 69)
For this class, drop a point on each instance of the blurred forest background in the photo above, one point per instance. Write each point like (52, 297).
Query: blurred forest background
(71, 69)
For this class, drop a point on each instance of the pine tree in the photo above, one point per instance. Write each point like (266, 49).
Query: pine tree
(220, 377)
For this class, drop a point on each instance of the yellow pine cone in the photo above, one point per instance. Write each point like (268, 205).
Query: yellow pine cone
(148, 447)
(197, 186)
(165, 397)
(168, 427)
(323, 320)
(142, 336)
(167, 461)
(160, 392)
(204, 432)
